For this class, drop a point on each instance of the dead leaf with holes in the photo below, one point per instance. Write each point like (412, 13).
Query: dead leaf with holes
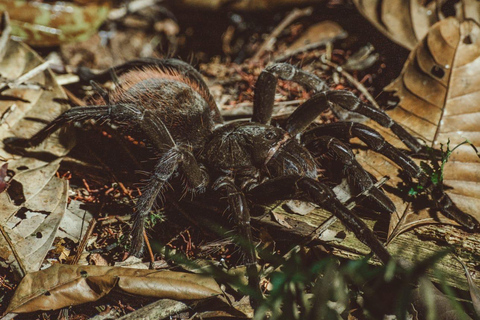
(406, 22)
(67, 285)
(33, 205)
(439, 90)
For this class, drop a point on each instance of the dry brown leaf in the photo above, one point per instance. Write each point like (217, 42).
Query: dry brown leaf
(316, 35)
(428, 300)
(438, 89)
(406, 22)
(245, 5)
(68, 285)
(33, 205)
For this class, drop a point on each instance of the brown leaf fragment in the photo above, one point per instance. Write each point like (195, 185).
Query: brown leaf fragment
(438, 89)
(3, 177)
(278, 217)
(315, 36)
(406, 22)
(68, 285)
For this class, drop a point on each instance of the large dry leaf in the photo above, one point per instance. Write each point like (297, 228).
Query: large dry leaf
(406, 22)
(54, 23)
(33, 205)
(66, 285)
(439, 90)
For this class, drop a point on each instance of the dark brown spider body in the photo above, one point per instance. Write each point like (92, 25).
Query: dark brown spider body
(181, 104)
(247, 161)
(244, 147)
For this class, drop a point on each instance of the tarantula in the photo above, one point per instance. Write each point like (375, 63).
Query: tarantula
(249, 161)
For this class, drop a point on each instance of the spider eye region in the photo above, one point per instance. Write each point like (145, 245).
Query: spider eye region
(270, 135)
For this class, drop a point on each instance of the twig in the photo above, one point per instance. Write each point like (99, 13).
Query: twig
(6, 29)
(272, 38)
(246, 108)
(353, 81)
(149, 247)
(84, 241)
(160, 309)
(30, 74)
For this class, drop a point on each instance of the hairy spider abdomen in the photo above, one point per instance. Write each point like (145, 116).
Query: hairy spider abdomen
(181, 104)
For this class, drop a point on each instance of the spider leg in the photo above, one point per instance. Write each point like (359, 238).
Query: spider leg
(374, 140)
(296, 187)
(355, 173)
(307, 112)
(124, 114)
(176, 158)
(239, 208)
(241, 214)
(264, 94)
(323, 99)
(173, 157)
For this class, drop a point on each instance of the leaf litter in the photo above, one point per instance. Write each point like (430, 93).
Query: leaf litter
(34, 215)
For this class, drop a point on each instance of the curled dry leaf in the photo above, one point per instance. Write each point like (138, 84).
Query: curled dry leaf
(439, 90)
(3, 177)
(33, 205)
(406, 22)
(67, 285)
(315, 36)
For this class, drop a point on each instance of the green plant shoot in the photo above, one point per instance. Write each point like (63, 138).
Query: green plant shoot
(434, 168)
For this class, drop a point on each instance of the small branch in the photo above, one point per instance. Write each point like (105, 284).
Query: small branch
(272, 38)
(353, 81)
(160, 309)
(83, 243)
(149, 247)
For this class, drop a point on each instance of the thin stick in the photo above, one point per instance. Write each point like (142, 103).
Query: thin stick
(353, 81)
(272, 38)
(84, 241)
(6, 29)
(161, 309)
(149, 248)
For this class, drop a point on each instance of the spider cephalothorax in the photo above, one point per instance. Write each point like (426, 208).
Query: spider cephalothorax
(246, 161)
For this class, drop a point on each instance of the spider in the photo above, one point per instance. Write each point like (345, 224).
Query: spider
(246, 161)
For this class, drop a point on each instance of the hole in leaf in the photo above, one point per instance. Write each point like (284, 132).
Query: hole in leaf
(437, 72)
(22, 168)
(39, 235)
(15, 191)
(449, 8)
(84, 273)
(47, 293)
(467, 40)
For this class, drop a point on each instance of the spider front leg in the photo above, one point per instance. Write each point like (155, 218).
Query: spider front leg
(241, 214)
(177, 158)
(297, 187)
(319, 102)
(264, 95)
(374, 140)
(306, 113)
(238, 207)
